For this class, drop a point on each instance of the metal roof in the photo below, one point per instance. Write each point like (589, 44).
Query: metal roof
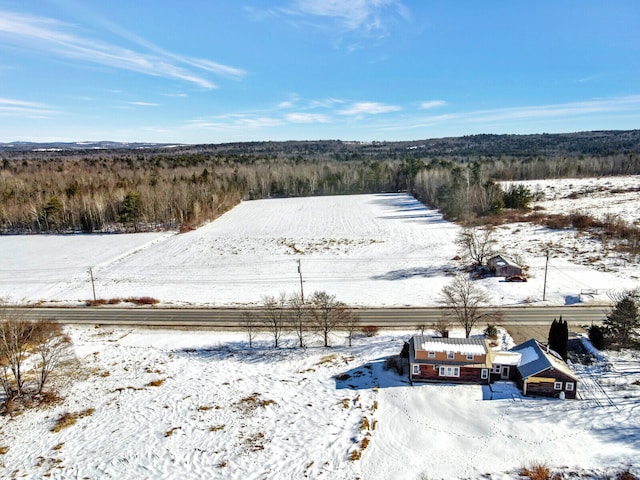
(475, 346)
(536, 358)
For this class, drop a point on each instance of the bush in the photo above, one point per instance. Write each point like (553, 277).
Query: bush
(142, 300)
(370, 330)
(491, 332)
(537, 472)
(597, 336)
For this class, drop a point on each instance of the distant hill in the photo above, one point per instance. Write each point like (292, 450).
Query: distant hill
(597, 143)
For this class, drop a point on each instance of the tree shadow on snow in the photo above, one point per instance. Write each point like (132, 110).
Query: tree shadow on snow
(240, 351)
(374, 374)
(404, 273)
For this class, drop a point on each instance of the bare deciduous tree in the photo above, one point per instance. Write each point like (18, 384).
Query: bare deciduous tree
(464, 300)
(15, 337)
(250, 326)
(476, 244)
(327, 313)
(351, 324)
(298, 316)
(275, 316)
(50, 346)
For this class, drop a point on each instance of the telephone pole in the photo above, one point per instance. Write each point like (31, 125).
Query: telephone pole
(544, 289)
(93, 286)
(301, 289)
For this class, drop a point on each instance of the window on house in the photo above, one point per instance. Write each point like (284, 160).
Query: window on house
(495, 368)
(451, 355)
(470, 356)
(484, 373)
(557, 385)
(449, 371)
(416, 369)
(569, 386)
(432, 354)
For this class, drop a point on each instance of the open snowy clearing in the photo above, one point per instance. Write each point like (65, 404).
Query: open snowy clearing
(368, 250)
(176, 404)
(598, 197)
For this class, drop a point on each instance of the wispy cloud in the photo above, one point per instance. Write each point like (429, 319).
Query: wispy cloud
(432, 104)
(144, 104)
(507, 117)
(23, 108)
(366, 15)
(307, 118)
(572, 109)
(369, 108)
(59, 39)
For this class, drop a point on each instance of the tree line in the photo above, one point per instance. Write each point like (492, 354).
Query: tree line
(122, 192)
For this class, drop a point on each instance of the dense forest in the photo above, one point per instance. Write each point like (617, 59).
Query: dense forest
(109, 187)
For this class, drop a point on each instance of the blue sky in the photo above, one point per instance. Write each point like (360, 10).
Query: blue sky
(207, 71)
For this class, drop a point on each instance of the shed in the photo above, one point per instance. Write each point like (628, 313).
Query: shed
(503, 266)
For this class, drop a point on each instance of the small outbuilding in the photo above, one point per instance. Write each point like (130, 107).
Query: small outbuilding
(503, 266)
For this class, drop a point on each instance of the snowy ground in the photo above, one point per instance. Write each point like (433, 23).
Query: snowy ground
(598, 197)
(368, 250)
(224, 411)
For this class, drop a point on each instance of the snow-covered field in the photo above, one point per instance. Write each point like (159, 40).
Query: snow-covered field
(176, 404)
(598, 197)
(179, 404)
(368, 250)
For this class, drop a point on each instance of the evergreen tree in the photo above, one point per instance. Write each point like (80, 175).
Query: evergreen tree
(622, 322)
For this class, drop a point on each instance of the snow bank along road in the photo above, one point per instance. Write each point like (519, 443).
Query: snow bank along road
(230, 317)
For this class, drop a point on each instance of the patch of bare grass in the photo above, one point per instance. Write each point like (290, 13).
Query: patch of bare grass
(67, 419)
(4, 450)
(252, 402)
(168, 433)
(156, 383)
(216, 428)
(536, 472)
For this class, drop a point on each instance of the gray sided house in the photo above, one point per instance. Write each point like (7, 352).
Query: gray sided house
(503, 266)
(542, 372)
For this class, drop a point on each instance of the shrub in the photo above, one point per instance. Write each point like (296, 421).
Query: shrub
(597, 336)
(95, 303)
(370, 330)
(142, 300)
(491, 332)
(537, 472)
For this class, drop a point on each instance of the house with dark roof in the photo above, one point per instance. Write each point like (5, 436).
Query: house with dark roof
(536, 369)
(542, 372)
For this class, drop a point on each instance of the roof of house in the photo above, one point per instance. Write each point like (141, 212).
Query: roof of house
(506, 358)
(469, 346)
(536, 358)
(501, 260)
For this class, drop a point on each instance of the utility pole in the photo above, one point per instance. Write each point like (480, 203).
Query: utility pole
(93, 286)
(301, 289)
(544, 289)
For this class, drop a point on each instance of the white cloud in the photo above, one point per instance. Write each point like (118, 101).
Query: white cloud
(56, 38)
(365, 15)
(432, 104)
(9, 106)
(144, 104)
(369, 108)
(307, 118)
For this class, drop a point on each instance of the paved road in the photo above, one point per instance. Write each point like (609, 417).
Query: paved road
(233, 317)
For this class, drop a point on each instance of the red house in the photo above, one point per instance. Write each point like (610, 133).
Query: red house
(457, 360)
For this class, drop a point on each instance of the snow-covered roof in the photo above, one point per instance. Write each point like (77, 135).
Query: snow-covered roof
(536, 358)
(468, 346)
(506, 358)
